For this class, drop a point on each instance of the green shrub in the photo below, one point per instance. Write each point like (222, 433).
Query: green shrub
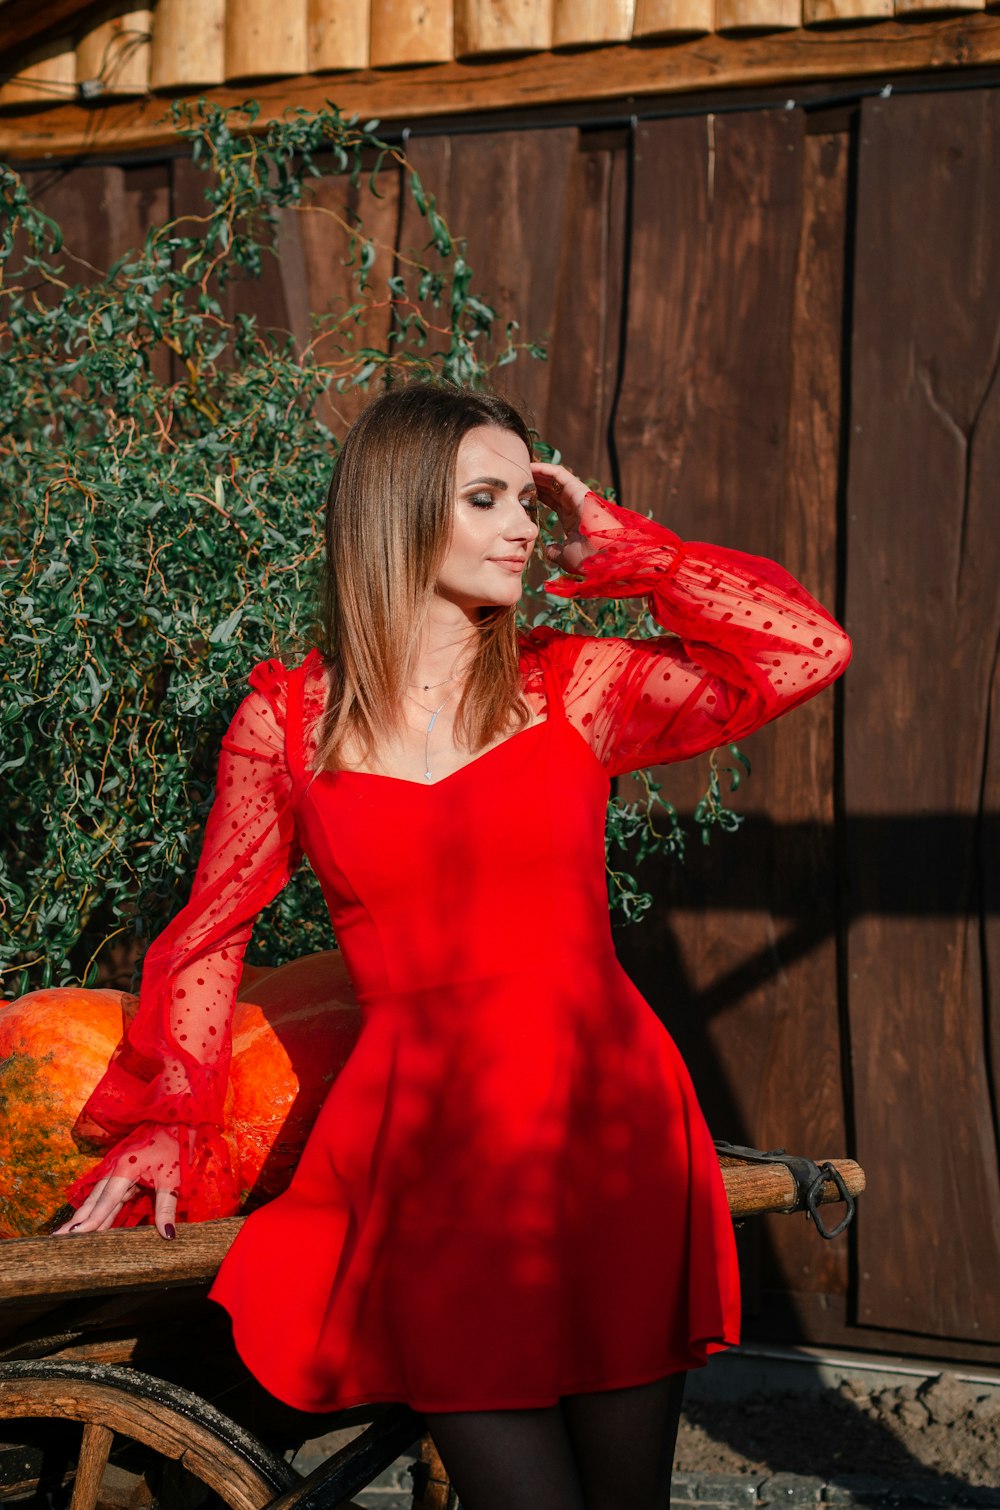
(163, 465)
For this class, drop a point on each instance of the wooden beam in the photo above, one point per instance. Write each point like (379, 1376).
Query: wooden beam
(189, 48)
(836, 12)
(591, 23)
(674, 18)
(744, 15)
(917, 7)
(410, 32)
(24, 22)
(485, 28)
(47, 76)
(264, 39)
(707, 62)
(338, 34)
(121, 1261)
(113, 55)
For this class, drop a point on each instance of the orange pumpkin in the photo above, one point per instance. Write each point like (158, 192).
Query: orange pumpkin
(54, 1046)
(293, 1028)
(292, 1032)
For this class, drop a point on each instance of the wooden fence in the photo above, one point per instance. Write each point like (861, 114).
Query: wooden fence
(779, 329)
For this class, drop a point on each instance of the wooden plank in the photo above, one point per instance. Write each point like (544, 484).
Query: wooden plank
(114, 54)
(590, 23)
(802, 1102)
(488, 28)
(710, 62)
(411, 31)
(527, 174)
(338, 34)
(922, 569)
(119, 1262)
(744, 15)
(789, 1316)
(47, 76)
(586, 331)
(673, 18)
(189, 46)
(738, 957)
(264, 40)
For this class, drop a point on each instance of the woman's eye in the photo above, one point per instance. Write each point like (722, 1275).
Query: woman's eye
(482, 500)
(531, 506)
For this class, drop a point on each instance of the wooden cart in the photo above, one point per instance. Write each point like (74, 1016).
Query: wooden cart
(120, 1389)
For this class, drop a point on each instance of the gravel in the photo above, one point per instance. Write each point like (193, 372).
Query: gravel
(942, 1433)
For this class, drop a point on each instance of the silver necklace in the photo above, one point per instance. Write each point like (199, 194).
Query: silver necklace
(426, 686)
(427, 737)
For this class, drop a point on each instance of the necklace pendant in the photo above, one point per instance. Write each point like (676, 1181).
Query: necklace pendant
(427, 776)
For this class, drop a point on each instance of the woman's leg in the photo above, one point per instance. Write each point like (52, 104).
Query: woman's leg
(508, 1459)
(623, 1441)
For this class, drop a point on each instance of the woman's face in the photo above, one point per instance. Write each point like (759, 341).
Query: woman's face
(494, 525)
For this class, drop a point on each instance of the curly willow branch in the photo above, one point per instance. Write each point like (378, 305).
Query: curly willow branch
(163, 457)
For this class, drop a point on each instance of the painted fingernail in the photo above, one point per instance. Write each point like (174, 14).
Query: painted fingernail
(169, 1230)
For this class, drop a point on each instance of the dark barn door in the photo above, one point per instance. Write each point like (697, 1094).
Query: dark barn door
(779, 330)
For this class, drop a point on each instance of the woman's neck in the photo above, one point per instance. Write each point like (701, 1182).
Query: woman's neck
(445, 648)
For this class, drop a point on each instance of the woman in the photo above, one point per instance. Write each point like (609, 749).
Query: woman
(509, 1213)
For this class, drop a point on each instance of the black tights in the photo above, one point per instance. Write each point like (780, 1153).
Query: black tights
(609, 1450)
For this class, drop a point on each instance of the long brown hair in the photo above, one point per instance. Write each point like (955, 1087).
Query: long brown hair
(389, 516)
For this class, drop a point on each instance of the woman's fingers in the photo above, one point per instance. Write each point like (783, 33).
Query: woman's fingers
(82, 1213)
(560, 488)
(563, 491)
(101, 1206)
(166, 1212)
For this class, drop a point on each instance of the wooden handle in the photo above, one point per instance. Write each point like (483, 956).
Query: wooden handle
(755, 1188)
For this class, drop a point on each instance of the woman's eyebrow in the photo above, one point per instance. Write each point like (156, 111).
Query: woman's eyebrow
(490, 482)
(498, 483)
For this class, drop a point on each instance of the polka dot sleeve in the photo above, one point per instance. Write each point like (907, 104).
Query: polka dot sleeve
(163, 1095)
(745, 643)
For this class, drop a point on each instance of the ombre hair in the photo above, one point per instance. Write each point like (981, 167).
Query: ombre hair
(389, 516)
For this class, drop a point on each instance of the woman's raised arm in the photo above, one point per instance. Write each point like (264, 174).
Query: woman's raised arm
(746, 642)
(163, 1095)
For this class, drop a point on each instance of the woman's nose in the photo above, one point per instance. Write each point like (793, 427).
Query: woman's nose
(521, 526)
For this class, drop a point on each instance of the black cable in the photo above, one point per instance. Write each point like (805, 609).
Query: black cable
(623, 310)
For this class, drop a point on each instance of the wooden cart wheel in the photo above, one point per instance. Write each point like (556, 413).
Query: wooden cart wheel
(119, 1406)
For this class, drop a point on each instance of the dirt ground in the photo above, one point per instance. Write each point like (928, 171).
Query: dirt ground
(948, 1429)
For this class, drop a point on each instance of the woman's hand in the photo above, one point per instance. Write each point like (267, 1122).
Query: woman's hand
(149, 1157)
(561, 490)
(107, 1198)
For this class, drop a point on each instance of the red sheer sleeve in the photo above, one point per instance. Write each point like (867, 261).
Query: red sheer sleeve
(163, 1094)
(746, 643)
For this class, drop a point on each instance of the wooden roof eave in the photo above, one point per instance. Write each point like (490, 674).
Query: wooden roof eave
(119, 126)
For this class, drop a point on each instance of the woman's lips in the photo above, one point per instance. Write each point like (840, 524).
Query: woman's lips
(509, 563)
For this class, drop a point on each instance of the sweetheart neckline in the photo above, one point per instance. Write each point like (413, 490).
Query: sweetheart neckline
(427, 786)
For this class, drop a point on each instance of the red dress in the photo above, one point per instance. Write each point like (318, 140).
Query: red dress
(510, 1193)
